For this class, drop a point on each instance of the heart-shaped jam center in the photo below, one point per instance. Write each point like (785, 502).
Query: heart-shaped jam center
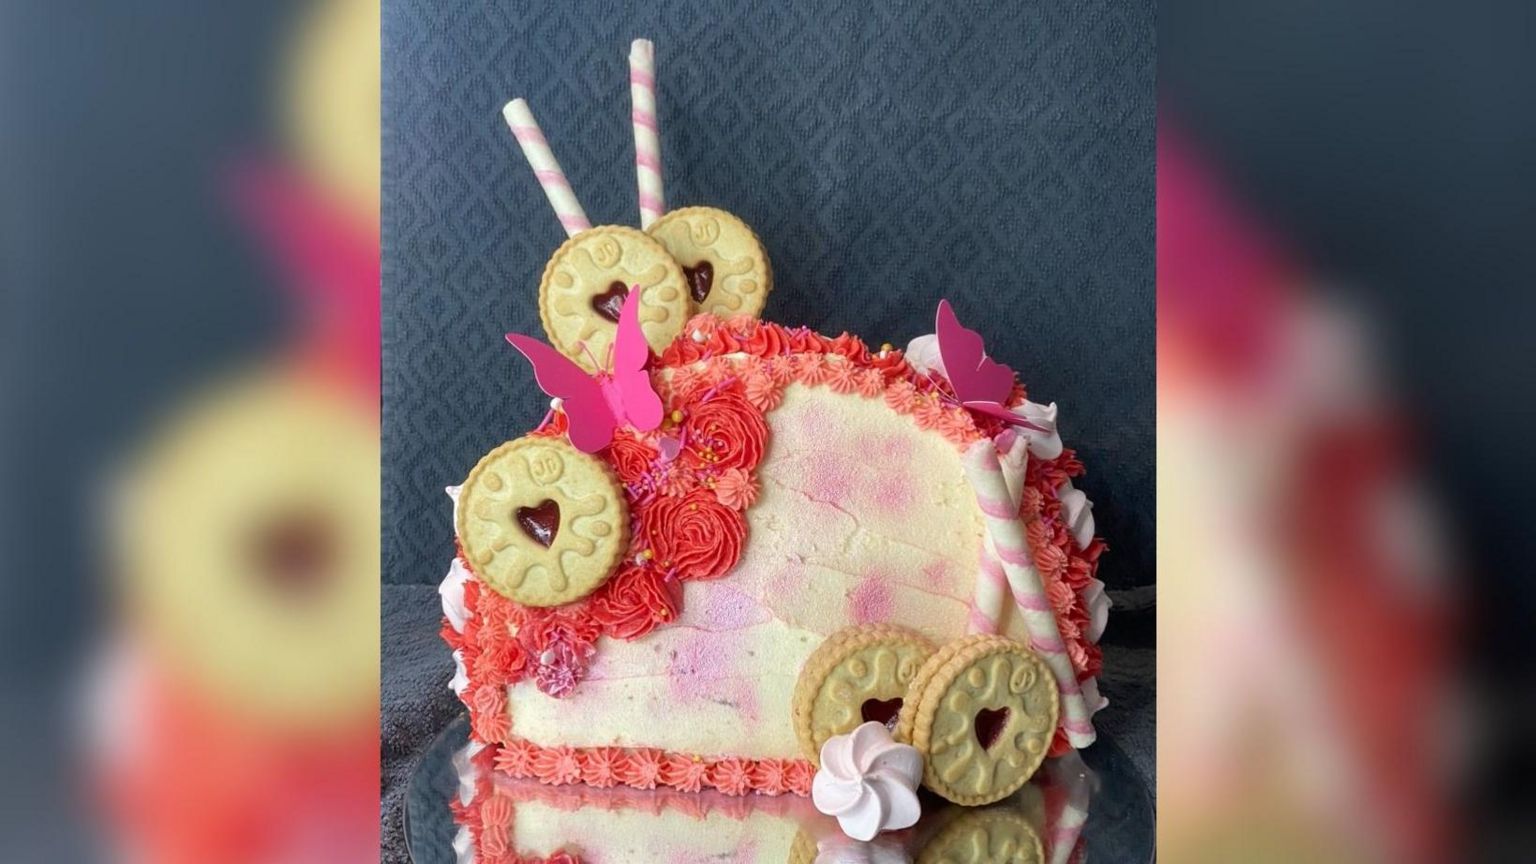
(541, 523)
(989, 725)
(294, 553)
(881, 711)
(611, 302)
(701, 278)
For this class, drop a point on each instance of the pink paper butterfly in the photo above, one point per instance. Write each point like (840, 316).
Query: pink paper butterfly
(596, 405)
(981, 384)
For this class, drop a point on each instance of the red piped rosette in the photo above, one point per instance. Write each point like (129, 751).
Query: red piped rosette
(717, 382)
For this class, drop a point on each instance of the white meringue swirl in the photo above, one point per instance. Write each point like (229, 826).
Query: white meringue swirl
(1042, 445)
(923, 355)
(460, 680)
(452, 591)
(1098, 604)
(868, 782)
(1078, 511)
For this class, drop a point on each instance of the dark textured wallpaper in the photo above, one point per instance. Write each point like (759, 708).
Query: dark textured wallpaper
(888, 154)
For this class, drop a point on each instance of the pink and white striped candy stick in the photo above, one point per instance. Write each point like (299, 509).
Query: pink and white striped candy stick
(1070, 775)
(536, 150)
(1011, 546)
(992, 583)
(642, 96)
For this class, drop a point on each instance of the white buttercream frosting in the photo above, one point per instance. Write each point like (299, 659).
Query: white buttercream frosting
(1078, 511)
(453, 494)
(452, 591)
(460, 681)
(464, 846)
(1090, 688)
(1042, 445)
(1098, 603)
(464, 766)
(923, 355)
(868, 782)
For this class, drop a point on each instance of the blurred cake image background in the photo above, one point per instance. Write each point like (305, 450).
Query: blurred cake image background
(1021, 192)
(196, 332)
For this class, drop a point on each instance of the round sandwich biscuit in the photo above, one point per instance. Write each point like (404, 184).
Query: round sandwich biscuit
(996, 835)
(724, 262)
(541, 522)
(859, 674)
(982, 713)
(586, 282)
(248, 536)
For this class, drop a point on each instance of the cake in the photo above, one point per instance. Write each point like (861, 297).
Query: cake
(731, 540)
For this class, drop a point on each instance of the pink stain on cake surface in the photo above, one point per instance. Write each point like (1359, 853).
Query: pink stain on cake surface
(937, 576)
(708, 667)
(810, 423)
(829, 478)
(726, 608)
(787, 580)
(602, 668)
(888, 452)
(695, 663)
(870, 601)
(894, 494)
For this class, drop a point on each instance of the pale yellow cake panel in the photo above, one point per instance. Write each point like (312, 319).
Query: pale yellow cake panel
(862, 518)
(761, 837)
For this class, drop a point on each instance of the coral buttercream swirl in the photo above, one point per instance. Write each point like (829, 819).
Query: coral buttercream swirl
(631, 458)
(635, 600)
(557, 765)
(726, 430)
(736, 489)
(731, 776)
(491, 721)
(685, 773)
(643, 768)
(694, 535)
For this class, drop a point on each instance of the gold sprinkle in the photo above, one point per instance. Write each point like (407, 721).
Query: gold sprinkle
(885, 347)
(677, 416)
(647, 554)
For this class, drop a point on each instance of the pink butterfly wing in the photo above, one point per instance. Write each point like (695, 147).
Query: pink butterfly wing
(993, 409)
(975, 377)
(642, 407)
(592, 421)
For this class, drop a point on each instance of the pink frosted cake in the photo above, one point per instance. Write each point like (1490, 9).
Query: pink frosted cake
(731, 543)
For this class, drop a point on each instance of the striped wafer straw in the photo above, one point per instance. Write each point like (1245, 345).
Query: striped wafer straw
(1067, 831)
(642, 96)
(1011, 548)
(991, 592)
(1068, 791)
(536, 150)
(992, 584)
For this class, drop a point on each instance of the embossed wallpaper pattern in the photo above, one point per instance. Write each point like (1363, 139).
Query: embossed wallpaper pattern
(888, 154)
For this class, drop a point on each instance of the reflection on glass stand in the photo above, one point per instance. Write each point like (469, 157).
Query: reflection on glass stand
(462, 811)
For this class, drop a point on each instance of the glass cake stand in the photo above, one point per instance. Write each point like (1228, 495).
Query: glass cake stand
(1118, 830)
